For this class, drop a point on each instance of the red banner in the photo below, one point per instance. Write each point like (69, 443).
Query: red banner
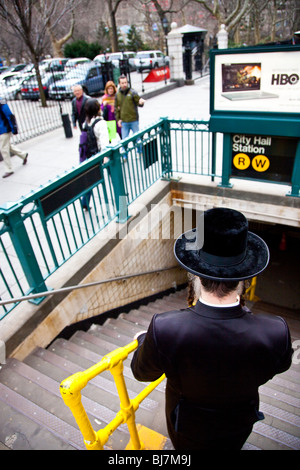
(157, 75)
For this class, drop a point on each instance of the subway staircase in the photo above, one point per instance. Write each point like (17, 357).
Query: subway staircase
(33, 415)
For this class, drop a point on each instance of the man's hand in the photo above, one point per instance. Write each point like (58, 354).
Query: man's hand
(139, 333)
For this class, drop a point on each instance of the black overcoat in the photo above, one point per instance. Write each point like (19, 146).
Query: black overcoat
(214, 358)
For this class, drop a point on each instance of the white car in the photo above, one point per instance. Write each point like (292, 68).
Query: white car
(114, 57)
(102, 58)
(75, 62)
(10, 86)
(148, 60)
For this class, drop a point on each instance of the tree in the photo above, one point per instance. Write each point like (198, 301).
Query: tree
(134, 40)
(160, 11)
(227, 12)
(22, 17)
(59, 18)
(113, 6)
(81, 48)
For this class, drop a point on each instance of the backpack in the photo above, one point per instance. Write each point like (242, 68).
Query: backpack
(11, 123)
(87, 142)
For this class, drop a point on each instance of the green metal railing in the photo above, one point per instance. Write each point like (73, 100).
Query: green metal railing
(39, 233)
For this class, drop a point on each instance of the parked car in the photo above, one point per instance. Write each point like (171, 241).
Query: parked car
(4, 68)
(55, 64)
(11, 90)
(58, 65)
(89, 76)
(16, 68)
(114, 57)
(71, 63)
(148, 60)
(7, 76)
(30, 89)
(102, 58)
(131, 56)
(7, 79)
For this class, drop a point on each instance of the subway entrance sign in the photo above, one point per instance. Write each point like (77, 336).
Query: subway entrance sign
(268, 158)
(255, 103)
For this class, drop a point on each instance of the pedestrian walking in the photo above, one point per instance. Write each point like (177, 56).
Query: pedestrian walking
(7, 126)
(78, 106)
(126, 109)
(94, 138)
(108, 105)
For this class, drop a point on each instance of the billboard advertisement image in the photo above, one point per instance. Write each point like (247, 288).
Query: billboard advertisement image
(262, 81)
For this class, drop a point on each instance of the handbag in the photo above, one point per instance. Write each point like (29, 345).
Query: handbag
(112, 130)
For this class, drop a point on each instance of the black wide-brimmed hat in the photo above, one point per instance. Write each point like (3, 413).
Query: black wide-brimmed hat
(221, 247)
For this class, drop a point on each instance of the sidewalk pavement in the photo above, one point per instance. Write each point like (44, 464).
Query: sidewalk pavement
(52, 154)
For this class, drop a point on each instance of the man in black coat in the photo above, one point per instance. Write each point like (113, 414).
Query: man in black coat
(78, 106)
(216, 353)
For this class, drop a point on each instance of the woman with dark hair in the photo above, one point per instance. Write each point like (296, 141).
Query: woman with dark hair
(94, 118)
(98, 125)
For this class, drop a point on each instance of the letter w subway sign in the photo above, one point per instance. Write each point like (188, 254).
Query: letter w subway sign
(263, 157)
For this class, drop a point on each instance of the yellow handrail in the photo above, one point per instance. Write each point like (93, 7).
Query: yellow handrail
(250, 292)
(71, 387)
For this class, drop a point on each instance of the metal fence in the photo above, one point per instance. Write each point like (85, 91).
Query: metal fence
(41, 232)
(23, 96)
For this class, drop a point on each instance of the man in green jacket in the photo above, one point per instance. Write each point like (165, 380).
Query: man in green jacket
(127, 102)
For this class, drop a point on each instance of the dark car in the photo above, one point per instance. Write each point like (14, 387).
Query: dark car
(56, 64)
(30, 90)
(89, 76)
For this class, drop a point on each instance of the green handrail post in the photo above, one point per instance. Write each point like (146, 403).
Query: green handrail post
(25, 253)
(295, 189)
(165, 147)
(226, 162)
(118, 184)
(213, 155)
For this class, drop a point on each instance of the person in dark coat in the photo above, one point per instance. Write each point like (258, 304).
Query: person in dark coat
(216, 353)
(78, 106)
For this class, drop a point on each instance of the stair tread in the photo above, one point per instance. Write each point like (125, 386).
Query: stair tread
(282, 438)
(41, 417)
(121, 324)
(92, 407)
(282, 400)
(135, 318)
(276, 310)
(120, 339)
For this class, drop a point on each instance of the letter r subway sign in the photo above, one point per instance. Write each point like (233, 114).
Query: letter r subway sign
(263, 157)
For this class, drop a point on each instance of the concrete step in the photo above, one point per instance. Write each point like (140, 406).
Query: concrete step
(26, 426)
